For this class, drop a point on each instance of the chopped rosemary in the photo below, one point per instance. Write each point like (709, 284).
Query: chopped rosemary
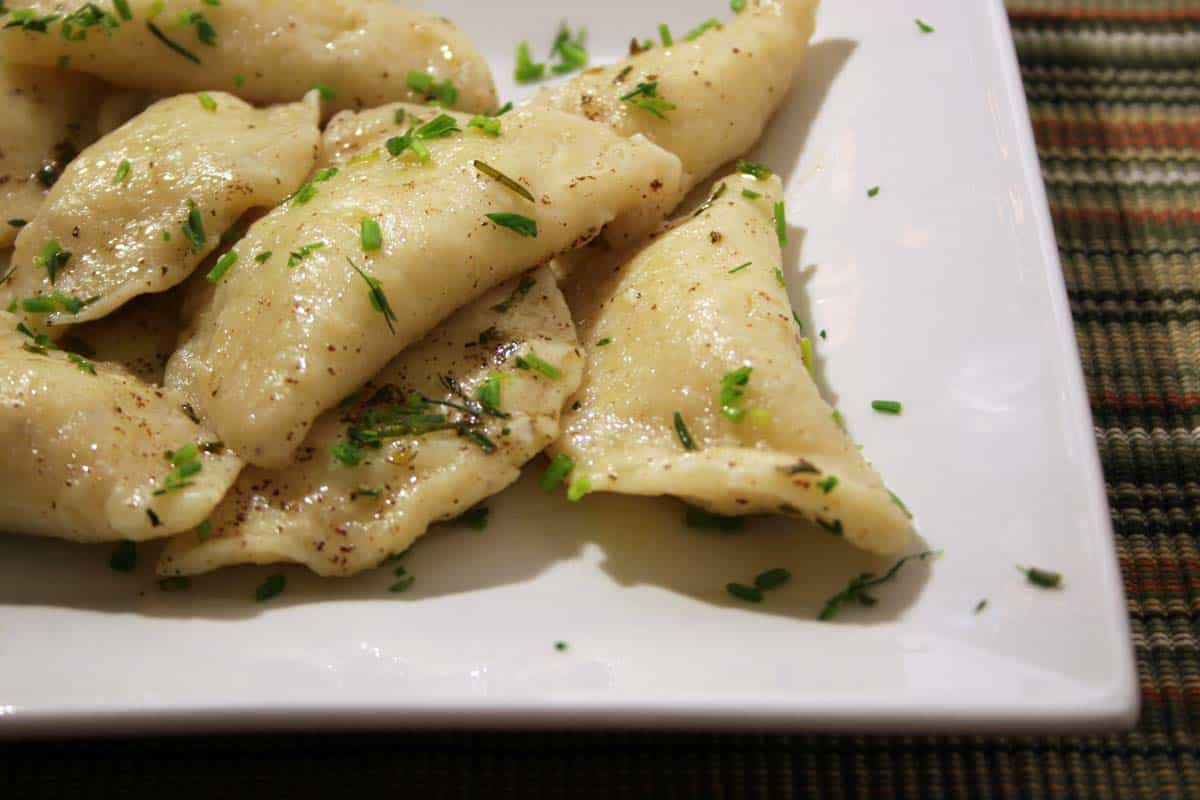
(900, 503)
(732, 392)
(560, 467)
(685, 436)
(856, 590)
(561, 646)
(504, 180)
(378, 299)
(517, 223)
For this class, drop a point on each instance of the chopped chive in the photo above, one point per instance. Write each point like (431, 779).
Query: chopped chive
(348, 453)
(523, 286)
(378, 299)
(1042, 577)
(561, 646)
(517, 223)
(664, 33)
(263, 257)
(271, 587)
(753, 169)
(779, 278)
(239, 81)
(206, 101)
(571, 52)
(873, 191)
(489, 125)
(193, 229)
(828, 483)
(900, 503)
(796, 317)
(488, 393)
(751, 594)
(579, 487)
(122, 172)
(685, 436)
(925, 27)
(81, 362)
(838, 419)
(224, 263)
(560, 467)
(476, 518)
(124, 558)
(717, 194)
(326, 91)
(419, 81)
(402, 585)
(52, 259)
(739, 268)
(371, 235)
(703, 520)
(204, 531)
(123, 9)
(363, 491)
(177, 48)
(526, 70)
(701, 29)
(732, 392)
(887, 406)
(185, 462)
(737, 6)
(296, 256)
(750, 195)
(781, 223)
(531, 361)
(806, 353)
(856, 590)
(623, 74)
(822, 334)
(646, 97)
(772, 579)
(605, 342)
(506, 181)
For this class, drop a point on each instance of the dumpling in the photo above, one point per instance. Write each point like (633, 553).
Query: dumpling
(49, 116)
(137, 211)
(360, 52)
(696, 384)
(328, 291)
(707, 99)
(92, 454)
(369, 482)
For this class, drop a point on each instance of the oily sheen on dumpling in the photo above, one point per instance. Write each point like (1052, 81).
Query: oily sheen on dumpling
(49, 116)
(266, 51)
(699, 310)
(301, 321)
(141, 208)
(339, 517)
(725, 85)
(85, 449)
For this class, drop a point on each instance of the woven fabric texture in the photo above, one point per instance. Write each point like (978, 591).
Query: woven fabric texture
(1114, 89)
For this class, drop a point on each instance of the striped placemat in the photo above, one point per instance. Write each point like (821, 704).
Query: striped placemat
(1114, 89)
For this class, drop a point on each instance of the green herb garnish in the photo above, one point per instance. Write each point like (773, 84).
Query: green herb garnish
(753, 169)
(531, 361)
(685, 436)
(296, 256)
(925, 27)
(732, 392)
(378, 299)
(572, 52)
(371, 235)
(526, 70)
(348, 453)
(828, 483)
(523, 286)
(271, 587)
(185, 462)
(177, 48)
(781, 223)
(664, 33)
(806, 354)
(206, 101)
(856, 590)
(476, 518)
(504, 180)
(326, 91)
(488, 124)
(263, 257)
(223, 265)
(560, 467)
(738, 6)
(439, 127)
(751, 594)
(193, 229)
(81, 362)
(1042, 577)
(873, 191)
(517, 223)
(772, 579)
(646, 97)
(887, 406)
(579, 487)
(124, 558)
(739, 268)
(52, 258)
(780, 279)
(561, 646)
(402, 585)
(750, 195)
(709, 24)
(122, 172)
(981, 605)
(363, 491)
(605, 342)
(488, 393)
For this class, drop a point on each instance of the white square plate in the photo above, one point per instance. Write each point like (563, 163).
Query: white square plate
(943, 291)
